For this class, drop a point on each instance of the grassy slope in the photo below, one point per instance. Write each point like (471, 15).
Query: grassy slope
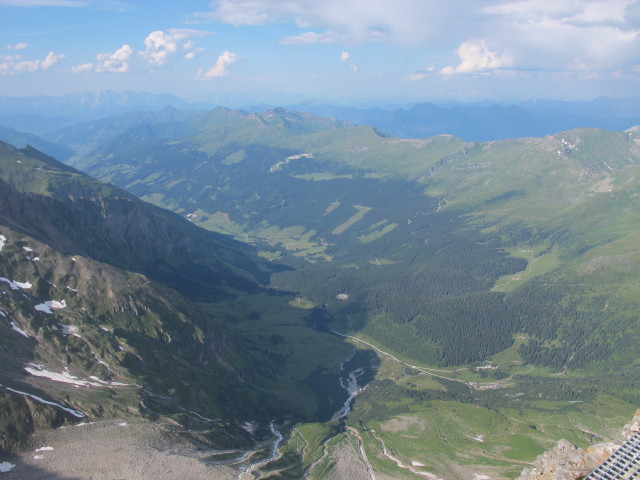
(574, 195)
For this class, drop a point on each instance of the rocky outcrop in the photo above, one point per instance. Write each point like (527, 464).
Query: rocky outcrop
(568, 462)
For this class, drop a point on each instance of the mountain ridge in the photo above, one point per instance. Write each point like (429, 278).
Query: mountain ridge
(174, 339)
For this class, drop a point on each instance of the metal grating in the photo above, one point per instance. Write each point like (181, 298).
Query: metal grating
(624, 464)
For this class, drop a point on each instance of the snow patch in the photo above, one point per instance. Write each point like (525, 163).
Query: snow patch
(27, 249)
(38, 457)
(48, 305)
(123, 424)
(3, 314)
(70, 330)
(44, 449)
(82, 424)
(3, 240)
(75, 413)
(16, 285)
(6, 467)
(43, 307)
(66, 377)
(113, 384)
(417, 464)
(249, 426)
(19, 330)
(478, 476)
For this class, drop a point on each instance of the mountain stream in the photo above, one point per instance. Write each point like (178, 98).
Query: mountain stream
(339, 390)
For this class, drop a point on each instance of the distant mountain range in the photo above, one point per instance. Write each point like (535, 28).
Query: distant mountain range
(478, 121)
(486, 121)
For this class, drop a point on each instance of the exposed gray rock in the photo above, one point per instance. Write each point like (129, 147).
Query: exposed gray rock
(568, 462)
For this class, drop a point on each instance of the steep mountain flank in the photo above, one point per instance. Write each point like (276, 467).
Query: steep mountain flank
(97, 317)
(77, 215)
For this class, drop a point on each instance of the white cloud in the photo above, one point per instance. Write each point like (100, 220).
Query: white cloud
(118, 61)
(346, 57)
(523, 35)
(416, 77)
(18, 46)
(569, 35)
(580, 12)
(337, 21)
(161, 45)
(311, 38)
(43, 3)
(476, 57)
(220, 69)
(11, 65)
(84, 68)
(252, 12)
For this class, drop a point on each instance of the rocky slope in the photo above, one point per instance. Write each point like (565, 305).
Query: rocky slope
(568, 462)
(98, 319)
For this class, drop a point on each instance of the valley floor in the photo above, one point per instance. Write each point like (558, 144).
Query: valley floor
(114, 449)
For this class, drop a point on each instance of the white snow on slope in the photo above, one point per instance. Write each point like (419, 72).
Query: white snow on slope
(66, 377)
(70, 330)
(112, 384)
(75, 413)
(19, 330)
(16, 285)
(48, 305)
(3, 240)
(6, 467)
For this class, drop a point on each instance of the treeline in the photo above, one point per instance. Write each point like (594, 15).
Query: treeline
(570, 326)
(423, 289)
(430, 299)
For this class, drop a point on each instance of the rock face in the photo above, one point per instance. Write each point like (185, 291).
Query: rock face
(568, 462)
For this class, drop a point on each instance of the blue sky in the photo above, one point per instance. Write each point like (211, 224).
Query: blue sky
(327, 49)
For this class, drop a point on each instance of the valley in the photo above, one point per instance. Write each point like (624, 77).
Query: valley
(302, 297)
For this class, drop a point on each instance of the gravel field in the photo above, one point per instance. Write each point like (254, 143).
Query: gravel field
(113, 450)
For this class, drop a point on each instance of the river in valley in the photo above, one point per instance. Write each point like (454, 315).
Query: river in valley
(338, 391)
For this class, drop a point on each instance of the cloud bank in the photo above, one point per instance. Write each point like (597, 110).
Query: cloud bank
(465, 36)
(14, 64)
(161, 47)
(220, 69)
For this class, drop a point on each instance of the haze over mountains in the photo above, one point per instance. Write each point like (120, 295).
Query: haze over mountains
(470, 121)
(497, 279)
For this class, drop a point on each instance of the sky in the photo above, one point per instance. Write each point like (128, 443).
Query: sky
(340, 50)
